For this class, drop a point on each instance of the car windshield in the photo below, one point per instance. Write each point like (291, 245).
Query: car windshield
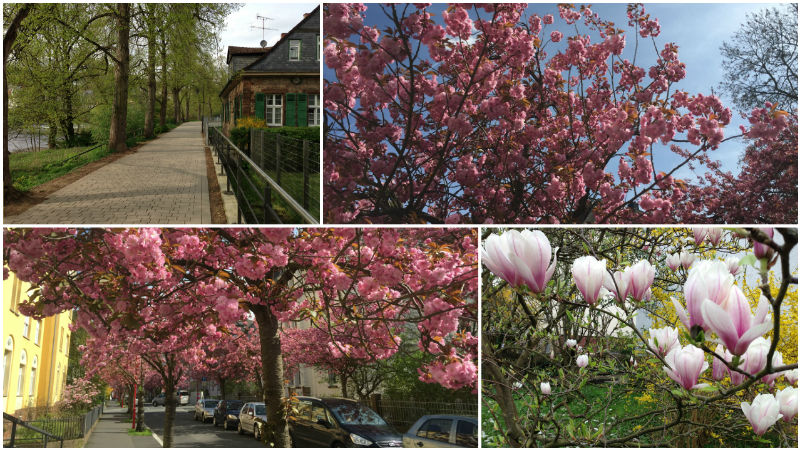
(211, 403)
(356, 414)
(260, 410)
(234, 406)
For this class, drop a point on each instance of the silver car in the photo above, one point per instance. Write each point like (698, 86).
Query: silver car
(204, 409)
(442, 430)
(252, 418)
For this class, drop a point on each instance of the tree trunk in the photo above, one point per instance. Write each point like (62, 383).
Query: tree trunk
(221, 382)
(150, 109)
(140, 409)
(163, 112)
(169, 403)
(52, 130)
(186, 117)
(9, 191)
(68, 123)
(343, 380)
(119, 110)
(176, 103)
(130, 399)
(276, 432)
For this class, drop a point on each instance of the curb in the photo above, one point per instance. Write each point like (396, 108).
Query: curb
(155, 436)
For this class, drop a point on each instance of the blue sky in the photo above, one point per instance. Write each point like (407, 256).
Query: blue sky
(698, 29)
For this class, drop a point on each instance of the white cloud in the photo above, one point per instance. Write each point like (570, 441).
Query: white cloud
(238, 31)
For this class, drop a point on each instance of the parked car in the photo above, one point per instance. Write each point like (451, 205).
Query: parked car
(160, 400)
(252, 418)
(183, 397)
(442, 430)
(227, 413)
(339, 422)
(204, 409)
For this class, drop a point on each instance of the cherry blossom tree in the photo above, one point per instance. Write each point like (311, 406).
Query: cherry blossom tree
(165, 289)
(490, 115)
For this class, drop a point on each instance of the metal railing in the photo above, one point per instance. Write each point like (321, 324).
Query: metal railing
(210, 122)
(32, 436)
(292, 163)
(252, 186)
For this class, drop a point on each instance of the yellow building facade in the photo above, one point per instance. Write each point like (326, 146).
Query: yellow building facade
(35, 352)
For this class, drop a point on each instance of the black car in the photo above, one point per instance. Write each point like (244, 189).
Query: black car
(227, 413)
(339, 422)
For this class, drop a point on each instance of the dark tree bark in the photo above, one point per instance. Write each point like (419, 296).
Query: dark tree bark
(140, 409)
(176, 100)
(163, 112)
(9, 192)
(276, 432)
(343, 380)
(150, 109)
(119, 110)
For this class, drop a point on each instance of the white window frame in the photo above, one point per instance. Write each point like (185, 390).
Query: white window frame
(37, 329)
(295, 44)
(23, 360)
(26, 327)
(313, 110)
(273, 109)
(33, 375)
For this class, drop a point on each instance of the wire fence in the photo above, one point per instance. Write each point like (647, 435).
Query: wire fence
(401, 414)
(40, 431)
(292, 163)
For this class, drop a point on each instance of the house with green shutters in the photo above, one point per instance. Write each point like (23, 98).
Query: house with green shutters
(278, 84)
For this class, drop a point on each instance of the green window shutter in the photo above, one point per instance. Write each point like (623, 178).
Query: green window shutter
(291, 110)
(260, 100)
(302, 110)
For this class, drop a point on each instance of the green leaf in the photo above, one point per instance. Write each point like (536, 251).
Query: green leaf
(748, 260)
(709, 388)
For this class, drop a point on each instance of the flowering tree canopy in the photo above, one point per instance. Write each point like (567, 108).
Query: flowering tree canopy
(547, 352)
(485, 116)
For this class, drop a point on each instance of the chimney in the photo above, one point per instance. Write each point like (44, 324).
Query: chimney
(305, 15)
(282, 35)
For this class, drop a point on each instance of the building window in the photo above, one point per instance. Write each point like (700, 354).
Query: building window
(313, 110)
(332, 378)
(294, 49)
(33, 376)
(26, 328)
(37, 330)
(21, 379)
(296, 379)
(274, 109)
(296, 110)
(8, 354)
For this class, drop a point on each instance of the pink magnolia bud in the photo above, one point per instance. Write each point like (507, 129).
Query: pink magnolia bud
(777, 361)
(791, 376)
(618, 285)
(707, 281)
(762, 413)
(545, 387)
(733, 266)
(520, 258)
(714, 236)
(674, 261)
(582, 361)
(685, 365)
(641, 276)
(663, 340)
(589, 274)
(699, 235)
(687, 259)
(761, 250)
(733, 322)
(571, 343)
(755, 358)
(718, 368)
(787, 401)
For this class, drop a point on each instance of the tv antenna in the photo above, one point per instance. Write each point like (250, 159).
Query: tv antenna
(263, 28)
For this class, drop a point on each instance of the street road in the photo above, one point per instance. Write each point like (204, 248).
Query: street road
(190, 433)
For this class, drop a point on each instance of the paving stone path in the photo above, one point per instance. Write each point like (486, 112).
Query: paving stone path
(164, 182)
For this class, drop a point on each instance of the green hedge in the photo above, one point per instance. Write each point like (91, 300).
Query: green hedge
(240, 136)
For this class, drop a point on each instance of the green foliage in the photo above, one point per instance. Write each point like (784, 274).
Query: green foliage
(403, 381)
(30, 169)
(240, 136)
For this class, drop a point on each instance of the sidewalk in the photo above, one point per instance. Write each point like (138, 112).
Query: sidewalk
(111, 431)
(164, 182)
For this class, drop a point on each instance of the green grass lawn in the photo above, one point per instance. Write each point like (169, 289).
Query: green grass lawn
(30, 169)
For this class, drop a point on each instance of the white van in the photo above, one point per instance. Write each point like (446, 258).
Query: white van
(183, 397)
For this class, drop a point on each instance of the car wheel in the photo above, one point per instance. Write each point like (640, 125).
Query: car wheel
(257, 432)
(239, 428)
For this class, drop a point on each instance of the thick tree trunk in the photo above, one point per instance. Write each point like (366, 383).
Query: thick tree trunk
(9, 191)
(176, 100)
(119, 110)
(150, 109)
(130, 399)
(276, 433)
(68, 124)
(163, 113)
(186, 117)
(343, 380)
(140, 409)
(170, 405)
(52, 133)
(222, 387)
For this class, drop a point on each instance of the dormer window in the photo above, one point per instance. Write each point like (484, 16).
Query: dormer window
(294, 49)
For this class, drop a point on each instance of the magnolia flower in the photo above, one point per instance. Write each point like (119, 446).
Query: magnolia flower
(777, 361)
(685, 365)
(755, 358)
(734, 323)
(762, 413)
(791, 376)
(618, 285)
(787, 402)
(640, 278)
(582, 361)
(687, 259)
(545, 388)
(516, 385)
(520, 258)
(674, 261)
(761, 250)
(707, 281)
(663, 340)
(733, 266)
(571, 343)
(714, 236)
(589, 274)
(699, 235)
(718, 368)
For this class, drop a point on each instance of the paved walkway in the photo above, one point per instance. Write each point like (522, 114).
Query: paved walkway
(164, 182)
(111, 431)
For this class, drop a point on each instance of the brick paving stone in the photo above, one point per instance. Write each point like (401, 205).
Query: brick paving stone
(164, 182)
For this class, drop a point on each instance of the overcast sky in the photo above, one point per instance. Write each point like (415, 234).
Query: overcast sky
(238, 31)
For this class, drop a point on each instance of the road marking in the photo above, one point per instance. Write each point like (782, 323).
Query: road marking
(155, 436)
